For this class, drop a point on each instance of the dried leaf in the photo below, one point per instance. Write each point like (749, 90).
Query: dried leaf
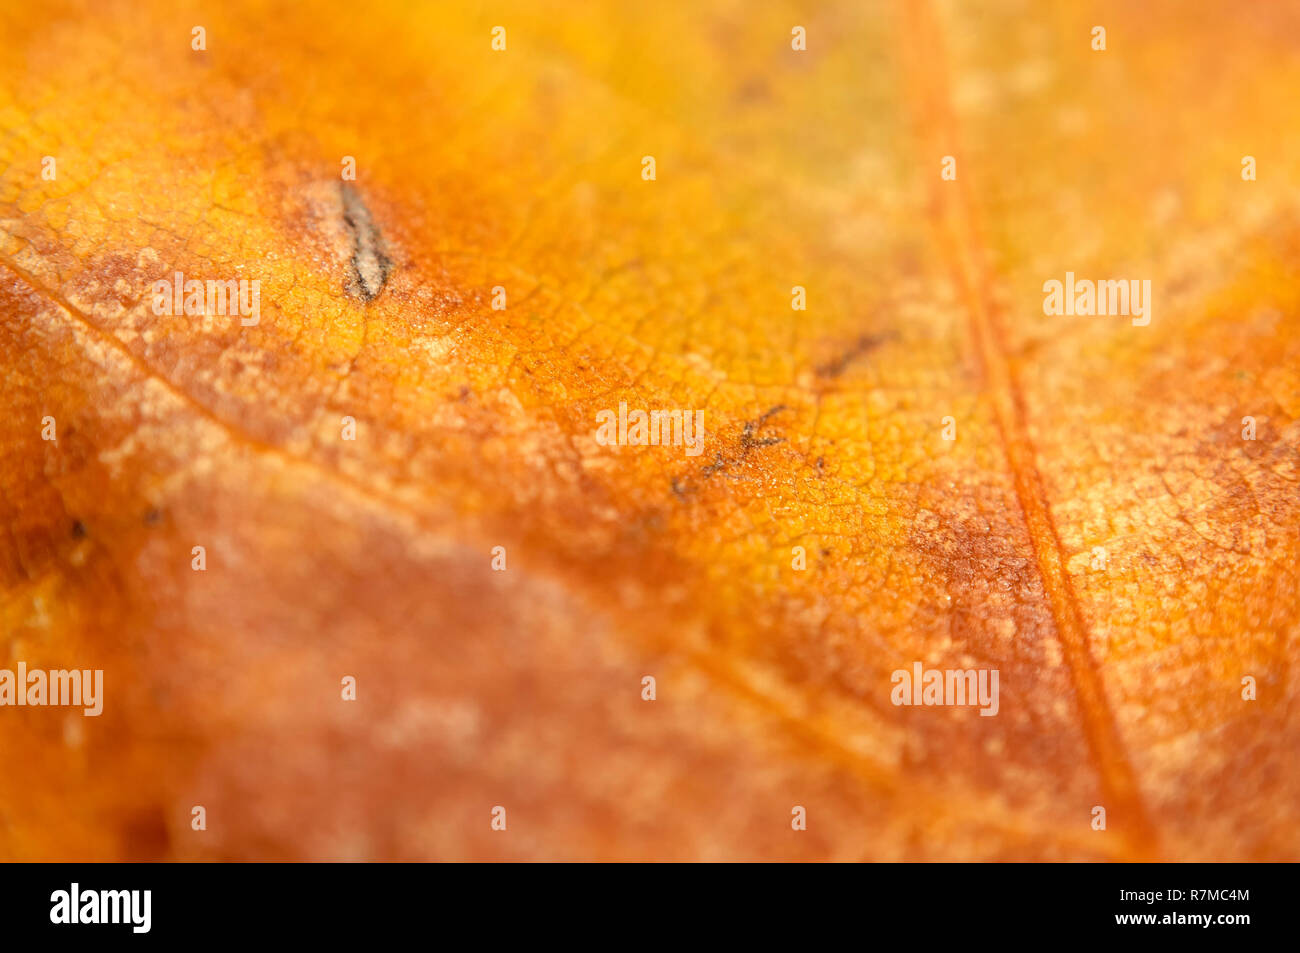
(522, 169)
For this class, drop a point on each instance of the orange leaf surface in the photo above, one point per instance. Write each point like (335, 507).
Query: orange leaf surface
(475, 427)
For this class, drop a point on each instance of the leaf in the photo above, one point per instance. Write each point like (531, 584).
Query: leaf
(372, 558)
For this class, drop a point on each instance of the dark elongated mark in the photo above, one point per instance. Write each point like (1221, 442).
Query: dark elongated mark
(370, 266)
(749, 441)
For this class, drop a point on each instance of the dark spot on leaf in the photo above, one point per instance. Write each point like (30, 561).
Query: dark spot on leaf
(837, 365)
